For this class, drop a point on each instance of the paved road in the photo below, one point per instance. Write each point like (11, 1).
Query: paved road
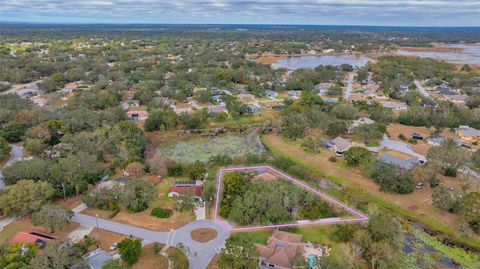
(422, 90)
(14, 90)
(15, 155)
(199, 254)
(348, 91)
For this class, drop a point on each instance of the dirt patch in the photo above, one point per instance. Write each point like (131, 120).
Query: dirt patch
(148, 259)
(399, 154)
(203, 235)
(422, 147)
(106, 238)
(71, 203)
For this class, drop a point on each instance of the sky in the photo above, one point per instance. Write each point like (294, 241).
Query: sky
(311, 12)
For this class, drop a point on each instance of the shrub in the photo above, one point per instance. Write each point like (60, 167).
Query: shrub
(402, 137)
(412, 141)
(130, 250)
(160, 213)
(355, 155)
(175, 170)
(333, 159)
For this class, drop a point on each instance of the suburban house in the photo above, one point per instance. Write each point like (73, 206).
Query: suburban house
(280, 250)
(435, 139)
(189, 187)
(271, 94)
(294, 94)
(338, 145)
(405, 163)
(330, 100)
(246, 97)
(130, 103)
(394, 105)
(468, 133)
(110, 184)
(217, 109)
(359, 122)
(32, 237)
(137, 115)
(98, 258)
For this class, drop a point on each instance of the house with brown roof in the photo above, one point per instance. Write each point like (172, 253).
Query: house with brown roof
(137, 115)
(32, 237)
(467, 133)
(280, 250)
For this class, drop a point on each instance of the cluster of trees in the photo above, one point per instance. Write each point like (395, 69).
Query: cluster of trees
(134, 196)
(246, 201)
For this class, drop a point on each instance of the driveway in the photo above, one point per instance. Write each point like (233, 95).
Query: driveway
(400, 147)
(199, 254)
(16, 154)
(422, 90)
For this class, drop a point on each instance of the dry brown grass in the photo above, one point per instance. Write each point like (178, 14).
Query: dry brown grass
(419, 201)
(144, 219)
(106, 238)
(25, 224)
(150, 260)
(204, 235)
(214, 263)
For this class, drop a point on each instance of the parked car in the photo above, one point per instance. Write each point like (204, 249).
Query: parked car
(114, 246)
(416, 136)
(419, 185)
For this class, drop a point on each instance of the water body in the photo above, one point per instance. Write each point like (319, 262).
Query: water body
(469, 55)
(297, 62)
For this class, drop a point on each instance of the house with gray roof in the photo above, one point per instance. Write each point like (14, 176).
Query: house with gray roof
(400, 162)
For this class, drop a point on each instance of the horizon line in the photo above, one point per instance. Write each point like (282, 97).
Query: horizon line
(220, 24)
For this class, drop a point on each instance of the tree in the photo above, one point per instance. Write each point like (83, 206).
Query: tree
(383, 226)
(13, 131)
(53, 217)
(445, 198)
(136, 195)
(25, 197)
(311, 144)
(449, 156)
(47, 84)
(154, 122)
(355, 155)
(195, 170)
(130, 250)
(470, 207)
(59, 254)
(184, 203)
(294, 125)
(4, 147)
(17, 256)
(336, 128)
(476, 160)
(238, 253)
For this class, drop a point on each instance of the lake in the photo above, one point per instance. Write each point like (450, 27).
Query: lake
(297, 62)
(469, 55)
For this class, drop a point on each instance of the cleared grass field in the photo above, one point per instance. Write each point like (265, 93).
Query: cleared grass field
(205, 147)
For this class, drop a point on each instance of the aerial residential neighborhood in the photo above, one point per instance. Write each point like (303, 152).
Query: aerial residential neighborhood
(239, 134)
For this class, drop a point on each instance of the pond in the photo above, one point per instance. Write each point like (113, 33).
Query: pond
(470, 54)
(297, 62)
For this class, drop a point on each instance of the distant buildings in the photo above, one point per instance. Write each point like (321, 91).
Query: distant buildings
(137, 115)
(405, 163)
(467, 133)
(359, 122)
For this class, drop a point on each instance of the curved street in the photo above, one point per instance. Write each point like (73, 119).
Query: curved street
(15, 155)
(199, 254)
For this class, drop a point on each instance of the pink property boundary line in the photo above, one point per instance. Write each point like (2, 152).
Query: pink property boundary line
(361, 217)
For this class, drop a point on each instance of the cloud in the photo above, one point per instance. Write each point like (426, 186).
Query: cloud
(363, 12)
